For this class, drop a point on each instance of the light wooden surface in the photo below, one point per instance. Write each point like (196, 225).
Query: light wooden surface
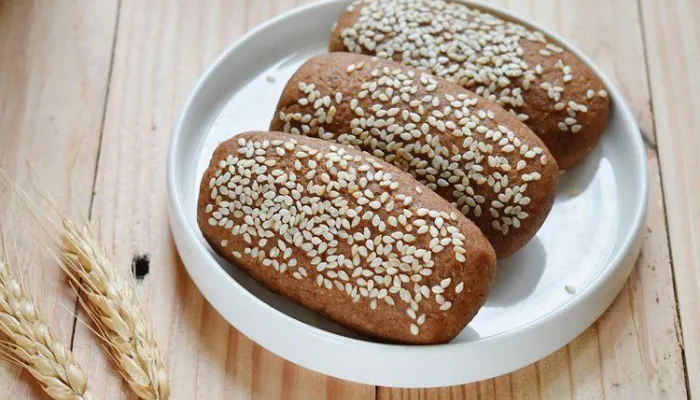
(673, 56)
(54, 63)
(90, 91)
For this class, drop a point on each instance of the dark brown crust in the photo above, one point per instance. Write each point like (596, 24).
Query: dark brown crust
(329, 73)
(569, 149)
(386, 323)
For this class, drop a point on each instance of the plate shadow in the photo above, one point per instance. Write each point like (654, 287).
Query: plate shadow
(577, 179)
(518, 275)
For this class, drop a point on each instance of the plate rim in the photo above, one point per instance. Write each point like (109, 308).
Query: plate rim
(189, 247)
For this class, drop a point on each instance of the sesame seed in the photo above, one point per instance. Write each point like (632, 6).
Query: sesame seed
(411, 313)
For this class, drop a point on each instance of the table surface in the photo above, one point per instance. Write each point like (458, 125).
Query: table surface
(90, 91)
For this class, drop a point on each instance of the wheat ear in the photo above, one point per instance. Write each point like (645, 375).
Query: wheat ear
(110, 301)
(33, 345)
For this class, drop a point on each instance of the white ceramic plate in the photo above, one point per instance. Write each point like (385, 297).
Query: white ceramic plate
(542, 298)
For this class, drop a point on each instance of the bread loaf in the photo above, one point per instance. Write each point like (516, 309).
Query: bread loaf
(345, 234)
(521, 69)
(479, 157)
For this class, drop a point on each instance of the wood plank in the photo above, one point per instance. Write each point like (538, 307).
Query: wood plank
(633, 350)
(526, 383)
(54, 63)
(672, 38)
(162, 48)
(586, 374)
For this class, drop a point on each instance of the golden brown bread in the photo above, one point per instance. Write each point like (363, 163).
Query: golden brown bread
(469, 150)
(345, 234)
(548, 87)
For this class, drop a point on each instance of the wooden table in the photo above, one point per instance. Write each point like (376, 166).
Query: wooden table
(90, 91)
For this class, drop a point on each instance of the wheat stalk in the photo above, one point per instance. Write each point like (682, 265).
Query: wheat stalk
(32, 344)
(111, 302)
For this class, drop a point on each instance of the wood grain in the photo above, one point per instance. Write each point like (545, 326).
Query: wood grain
(161, 49)
(54, 62)
(54, 76)
(633, 350)
(672, 38)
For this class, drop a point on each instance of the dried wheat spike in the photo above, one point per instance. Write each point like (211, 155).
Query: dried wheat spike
(110, 301)
(32, 344)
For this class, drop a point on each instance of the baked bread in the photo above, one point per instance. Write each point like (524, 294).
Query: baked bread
(469, 150)
(345, 234)
(519, 68)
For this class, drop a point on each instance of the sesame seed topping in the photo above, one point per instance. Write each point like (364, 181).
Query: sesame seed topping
(435, 164)
(474, 48)
(277, 212)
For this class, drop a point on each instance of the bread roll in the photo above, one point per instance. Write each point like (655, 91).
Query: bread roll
(345, 234)
(519, 68)
(469, 150)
